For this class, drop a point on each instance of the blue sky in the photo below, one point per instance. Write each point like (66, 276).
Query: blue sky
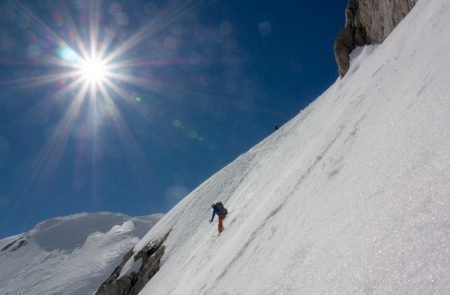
(185, 87)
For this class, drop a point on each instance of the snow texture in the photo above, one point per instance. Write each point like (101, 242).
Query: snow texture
(352, 196)
(68, 255)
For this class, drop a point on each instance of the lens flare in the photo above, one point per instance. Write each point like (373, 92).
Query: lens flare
(67, 54)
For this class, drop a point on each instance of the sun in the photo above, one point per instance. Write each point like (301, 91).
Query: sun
(94, 71)
(89, 68)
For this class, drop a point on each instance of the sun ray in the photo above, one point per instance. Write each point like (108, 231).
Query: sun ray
(39, 80)
(169, 15)
(48, 158)
(94, 16)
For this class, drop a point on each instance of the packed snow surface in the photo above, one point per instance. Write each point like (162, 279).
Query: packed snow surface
(352, 196)
(69, 255)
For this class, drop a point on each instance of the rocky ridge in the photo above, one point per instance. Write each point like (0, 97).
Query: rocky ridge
(367, 22)
(148, 261)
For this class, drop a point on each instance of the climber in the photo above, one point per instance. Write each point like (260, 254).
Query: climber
(221, 212)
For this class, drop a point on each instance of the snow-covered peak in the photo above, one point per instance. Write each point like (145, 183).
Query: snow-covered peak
(69, 255)
(70, 232)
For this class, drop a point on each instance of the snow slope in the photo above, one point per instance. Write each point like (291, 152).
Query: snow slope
(352, 196)
(68, 255)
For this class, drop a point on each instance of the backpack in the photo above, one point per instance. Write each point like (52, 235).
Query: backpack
(222, 210)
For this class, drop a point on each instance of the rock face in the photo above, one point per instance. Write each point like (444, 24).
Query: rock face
(17, 243)
(368, 22)
(132, 283)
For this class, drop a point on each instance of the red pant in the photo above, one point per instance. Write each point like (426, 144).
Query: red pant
(220, 226)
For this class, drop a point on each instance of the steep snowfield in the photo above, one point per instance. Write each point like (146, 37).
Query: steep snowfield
(352, 196)
(68, 255)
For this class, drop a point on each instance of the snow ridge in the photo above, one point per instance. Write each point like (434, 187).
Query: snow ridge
(69, 255)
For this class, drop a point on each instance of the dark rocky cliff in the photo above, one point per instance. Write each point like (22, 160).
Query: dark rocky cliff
(132, 283)
(368, 22)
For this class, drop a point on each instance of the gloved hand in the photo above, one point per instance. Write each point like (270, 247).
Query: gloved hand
(210, 221)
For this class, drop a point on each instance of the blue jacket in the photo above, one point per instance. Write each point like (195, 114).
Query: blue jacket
(215, 211)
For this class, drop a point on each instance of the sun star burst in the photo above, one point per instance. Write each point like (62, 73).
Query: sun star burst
(91, 71)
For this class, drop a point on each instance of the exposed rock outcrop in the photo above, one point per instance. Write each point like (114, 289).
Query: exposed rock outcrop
(16, 244)
(367, 22)
(133, 283)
